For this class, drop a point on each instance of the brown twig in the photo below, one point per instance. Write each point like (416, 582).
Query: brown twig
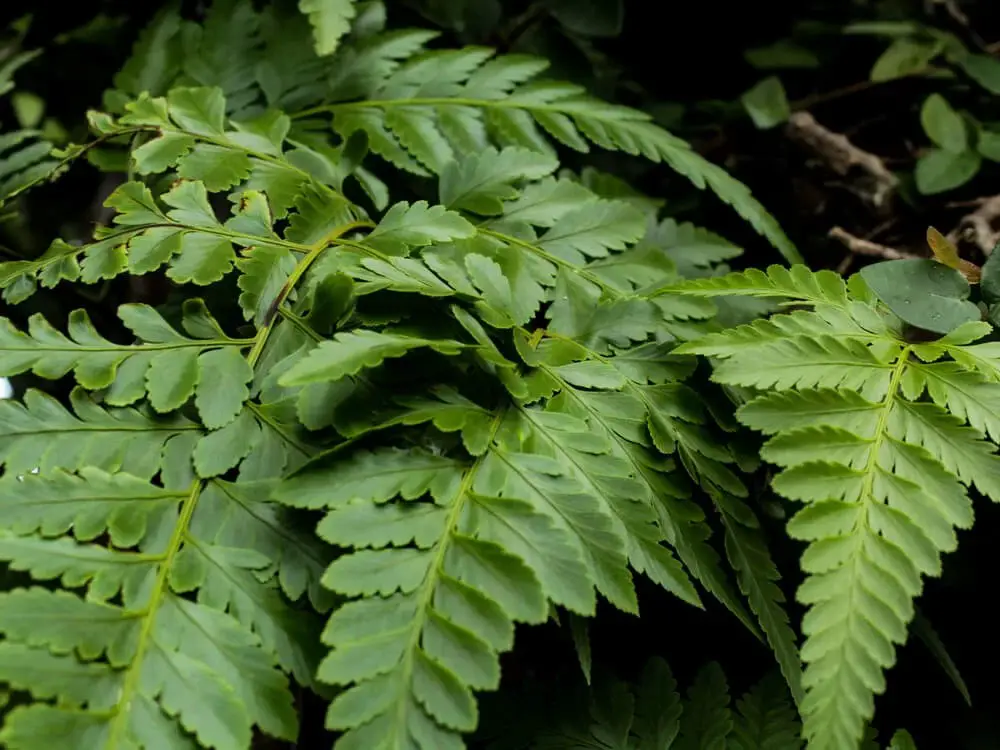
(979, 224)
(840, 155)
(867, 247)
(808, 102)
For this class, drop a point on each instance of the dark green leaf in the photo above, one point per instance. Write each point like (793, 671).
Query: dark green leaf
(923, 293)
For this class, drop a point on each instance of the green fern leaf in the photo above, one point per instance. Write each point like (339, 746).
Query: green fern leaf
(350, 352)
(224, 50)
(168, 366)
(883, 477)
(691, 248)
(331, 19)
(438, 636)
(967, 395)
(658, 707)
(408, 226)
(765, 719)
(592, 230)
(481, 183)
(758, 576)
(104, 571)
(707, 720)
(543, 203)
(606, 477)
(402, 118)
(24, 161)
(121, 507)
(821, 362)
(40, 433)
(902, 740)
(797, 283)
(215, 673)
(622, 421)
(264, 269)
(156, 57)
(216, 167)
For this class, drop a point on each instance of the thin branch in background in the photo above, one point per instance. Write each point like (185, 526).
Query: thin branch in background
(978, 226)
(807, 102)
(841, 155)
(861, 246)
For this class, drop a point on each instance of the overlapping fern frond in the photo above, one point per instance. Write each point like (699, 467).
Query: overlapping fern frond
(881, 438)
(481, 395)
(653, 714)
(418, 108)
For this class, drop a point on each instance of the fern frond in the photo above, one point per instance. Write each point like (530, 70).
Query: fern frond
(707, 720)
(807, 362)
(884, 476)
(168, 367)
(153, 650)
(545, 452)
(829, 322)
(795, 283)
(765, 720)
(447, 603)
(350, 352)
(619, 420)
(220, 51)
(420, 113)
(25, 159)
(40, 433)
(748, 554)
(330, 19)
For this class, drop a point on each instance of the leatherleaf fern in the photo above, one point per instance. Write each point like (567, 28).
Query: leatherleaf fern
(473, 397)
(881, 435)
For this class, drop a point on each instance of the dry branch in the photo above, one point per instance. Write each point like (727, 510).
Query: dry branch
(867, 247)
(979, 224)
(841, 155)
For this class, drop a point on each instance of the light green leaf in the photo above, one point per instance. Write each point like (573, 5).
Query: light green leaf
(218, 167)
(939, 170)
(592, 230)
(162, 152)
(480, 183)
(407, 226)
(198, 110)
(943, 125)
(766, 103)
(171, 378)
(905, 56)
(984, 70)
(222, 386)
(330, 19)
(348, 353)
(223, 449)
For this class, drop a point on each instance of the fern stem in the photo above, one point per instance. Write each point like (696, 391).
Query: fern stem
(435, 568)
(454, 101)
(278, 429)
(370, 251)
(299, 323)
(236, 238)
(221, 143)
(145, 347)
(882, 424)
(314, 251)
(130, 686)
(77, 152)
